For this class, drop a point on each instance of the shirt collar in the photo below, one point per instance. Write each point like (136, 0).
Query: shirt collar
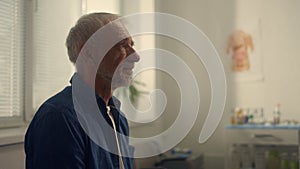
(113, 102)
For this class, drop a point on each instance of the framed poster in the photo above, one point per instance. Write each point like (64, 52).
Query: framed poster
(244, 50)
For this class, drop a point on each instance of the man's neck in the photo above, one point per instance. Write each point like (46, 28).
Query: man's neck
(103, 89)
(101, 85)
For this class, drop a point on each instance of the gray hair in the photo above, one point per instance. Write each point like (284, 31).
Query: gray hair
(85, 27)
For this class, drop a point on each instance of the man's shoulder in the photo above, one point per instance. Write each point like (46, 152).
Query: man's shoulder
(61, 99)
(59, 104)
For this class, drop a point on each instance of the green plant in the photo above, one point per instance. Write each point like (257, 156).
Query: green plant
(134, 92)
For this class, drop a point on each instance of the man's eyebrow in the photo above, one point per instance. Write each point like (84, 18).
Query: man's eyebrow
(125, 41)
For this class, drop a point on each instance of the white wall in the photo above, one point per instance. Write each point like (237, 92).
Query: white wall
(280, 52)
(215, 19)
(280, 59)
(111, 6)
(12, 156)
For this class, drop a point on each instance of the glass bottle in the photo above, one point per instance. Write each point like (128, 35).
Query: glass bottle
(294, 161)
(284, 161)
(246, 157)
(276, 114)
(232, 117)
(273, 160)
(235, 162)
(259, 157)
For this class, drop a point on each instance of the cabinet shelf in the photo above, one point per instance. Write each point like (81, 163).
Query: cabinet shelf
(257, 126)
(262, 135)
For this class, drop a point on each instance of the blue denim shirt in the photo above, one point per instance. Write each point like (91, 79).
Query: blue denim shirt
(56, 140)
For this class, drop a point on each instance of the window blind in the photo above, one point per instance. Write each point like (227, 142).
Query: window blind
(11, 57)
(52, 69)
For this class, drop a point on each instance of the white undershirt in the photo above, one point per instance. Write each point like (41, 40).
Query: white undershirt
(117, 140)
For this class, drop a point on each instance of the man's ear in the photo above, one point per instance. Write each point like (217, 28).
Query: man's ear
(249, 42)
(86, 63)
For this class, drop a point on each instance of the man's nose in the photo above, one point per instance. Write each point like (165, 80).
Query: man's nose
(133, 56)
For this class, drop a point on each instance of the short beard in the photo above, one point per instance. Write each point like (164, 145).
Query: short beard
(120, 81)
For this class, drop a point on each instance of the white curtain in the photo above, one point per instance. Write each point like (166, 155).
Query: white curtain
(11, 57)
(52, 70)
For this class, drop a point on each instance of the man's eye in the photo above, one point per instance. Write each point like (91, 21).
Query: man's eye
(126, 46)
(123, 44)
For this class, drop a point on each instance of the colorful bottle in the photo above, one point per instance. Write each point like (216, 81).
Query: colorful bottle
(276, 114)
(232, 117)
(246, 116)
(240, 115)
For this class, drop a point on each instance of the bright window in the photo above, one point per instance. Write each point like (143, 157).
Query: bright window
(11, 58)
(34, 63)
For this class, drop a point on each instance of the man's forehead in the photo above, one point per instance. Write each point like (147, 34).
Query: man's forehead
(106, 37)
(119, 30)
(127, 40)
